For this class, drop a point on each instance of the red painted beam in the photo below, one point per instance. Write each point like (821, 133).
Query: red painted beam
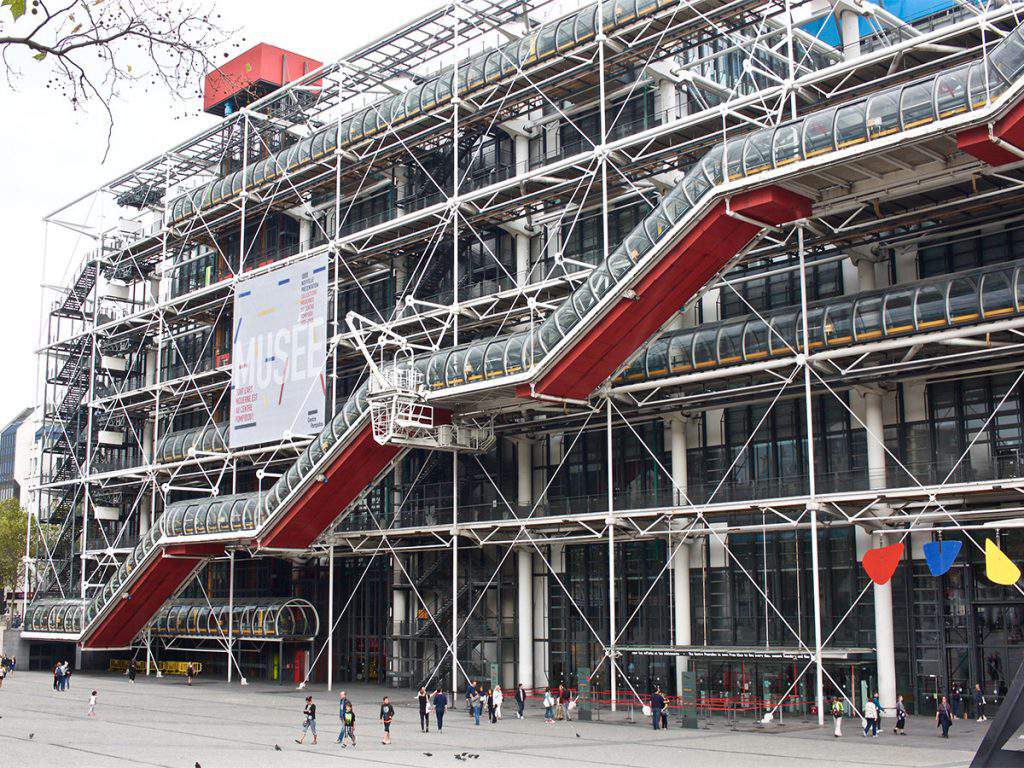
(148, 591)
(346, 477)
(673, 281)
(978, 141)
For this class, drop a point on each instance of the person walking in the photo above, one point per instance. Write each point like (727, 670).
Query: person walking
(878, 714)
(979, 703)
(475, 704)
(130, 672)
(657, 705)
(870, 718)
(309, 719)
(67, 676)
(348, 724)
(423, 700)
(342, 702)
(190, 672)
(564, 697)
(944, 717)
(92, 705)
(387, 714)
(14, 663)
(440, 706)
(58, 673)
(470, 690)
(901, 717)
(520, 701)
(837, 716)
(490, 706)
(549, 706)
(499, 696)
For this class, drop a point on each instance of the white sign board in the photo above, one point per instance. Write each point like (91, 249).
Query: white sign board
(279, 353)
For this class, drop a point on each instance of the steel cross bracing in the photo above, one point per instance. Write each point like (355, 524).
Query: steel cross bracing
(604, 159)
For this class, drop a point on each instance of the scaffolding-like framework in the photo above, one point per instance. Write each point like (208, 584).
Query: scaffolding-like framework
(134, 343)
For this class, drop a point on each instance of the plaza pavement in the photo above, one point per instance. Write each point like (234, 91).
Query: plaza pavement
(167, 724)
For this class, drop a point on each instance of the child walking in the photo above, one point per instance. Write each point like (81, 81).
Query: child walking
(387, 714)
(92, 704)
(349, 723)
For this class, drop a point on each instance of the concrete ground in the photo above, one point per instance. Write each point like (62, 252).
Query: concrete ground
(165, 723)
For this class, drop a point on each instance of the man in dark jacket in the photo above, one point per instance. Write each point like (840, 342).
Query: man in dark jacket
(342, 701)
(520, 700)
(440, 705)
(657, 705)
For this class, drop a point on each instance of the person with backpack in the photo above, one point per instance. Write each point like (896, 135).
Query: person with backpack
(387, 714)
(475, 703)
(837, 716)
(309, 721)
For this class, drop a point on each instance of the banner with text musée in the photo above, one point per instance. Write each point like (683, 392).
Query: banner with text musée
(279, 353)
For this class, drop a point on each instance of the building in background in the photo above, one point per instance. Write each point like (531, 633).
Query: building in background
(645, 321)
(16, 441)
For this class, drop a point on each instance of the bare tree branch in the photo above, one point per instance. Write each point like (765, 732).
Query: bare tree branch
(94, 49)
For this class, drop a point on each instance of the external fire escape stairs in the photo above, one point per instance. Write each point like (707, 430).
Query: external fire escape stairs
(641, 293)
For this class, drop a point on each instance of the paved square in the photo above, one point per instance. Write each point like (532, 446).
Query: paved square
(165, 723)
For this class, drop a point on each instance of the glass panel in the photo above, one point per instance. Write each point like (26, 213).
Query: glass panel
(514, 355)
(494, 360)
(851, 127)
(1008, 57)
(818, 133)
(730, 344)
(734, 158)
(996, 294)
(838, 324)
(916, 105)
(899, 313)
(931, 307)
(474, 367)
(657, 358)
(883, 115)
(755, 340)
(963, 300)
(757, 152)
(436, 370)
(680, 353)
(867, 319)
(951, 92)
(782, 339)
(712, 164)
(786, 145)
(705, 348)
(454, 374)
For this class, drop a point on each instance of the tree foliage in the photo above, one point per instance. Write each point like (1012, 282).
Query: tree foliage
(13, 529)
(93, 49)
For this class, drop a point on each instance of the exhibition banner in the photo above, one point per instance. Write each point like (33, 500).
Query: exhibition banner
(279, 353)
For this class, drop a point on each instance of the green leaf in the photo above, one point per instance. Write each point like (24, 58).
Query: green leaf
(40, 56)
(17, 7)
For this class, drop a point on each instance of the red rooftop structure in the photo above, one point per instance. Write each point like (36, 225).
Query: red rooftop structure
(252, 75)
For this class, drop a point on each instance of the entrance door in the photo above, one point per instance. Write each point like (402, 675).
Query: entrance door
(299, 666)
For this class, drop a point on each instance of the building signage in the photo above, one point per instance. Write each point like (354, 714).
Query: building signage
(279, 353)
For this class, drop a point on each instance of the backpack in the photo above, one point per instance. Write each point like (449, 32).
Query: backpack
(349, 717)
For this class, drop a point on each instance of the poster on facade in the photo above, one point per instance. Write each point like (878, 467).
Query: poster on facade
(279, 353)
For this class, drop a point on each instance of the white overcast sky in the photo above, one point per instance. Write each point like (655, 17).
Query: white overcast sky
(51, 154)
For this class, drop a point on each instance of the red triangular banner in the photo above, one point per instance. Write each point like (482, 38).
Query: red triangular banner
(880, 563)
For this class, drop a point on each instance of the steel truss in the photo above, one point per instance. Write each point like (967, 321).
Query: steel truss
(119, 366)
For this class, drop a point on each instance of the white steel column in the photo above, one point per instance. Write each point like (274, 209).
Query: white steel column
(330, 617)
(812, 502)
(612, 628)
(524, 558)
(681, 615)
(399, 616)
(885, 651)
(231, 613)
(849, 30)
